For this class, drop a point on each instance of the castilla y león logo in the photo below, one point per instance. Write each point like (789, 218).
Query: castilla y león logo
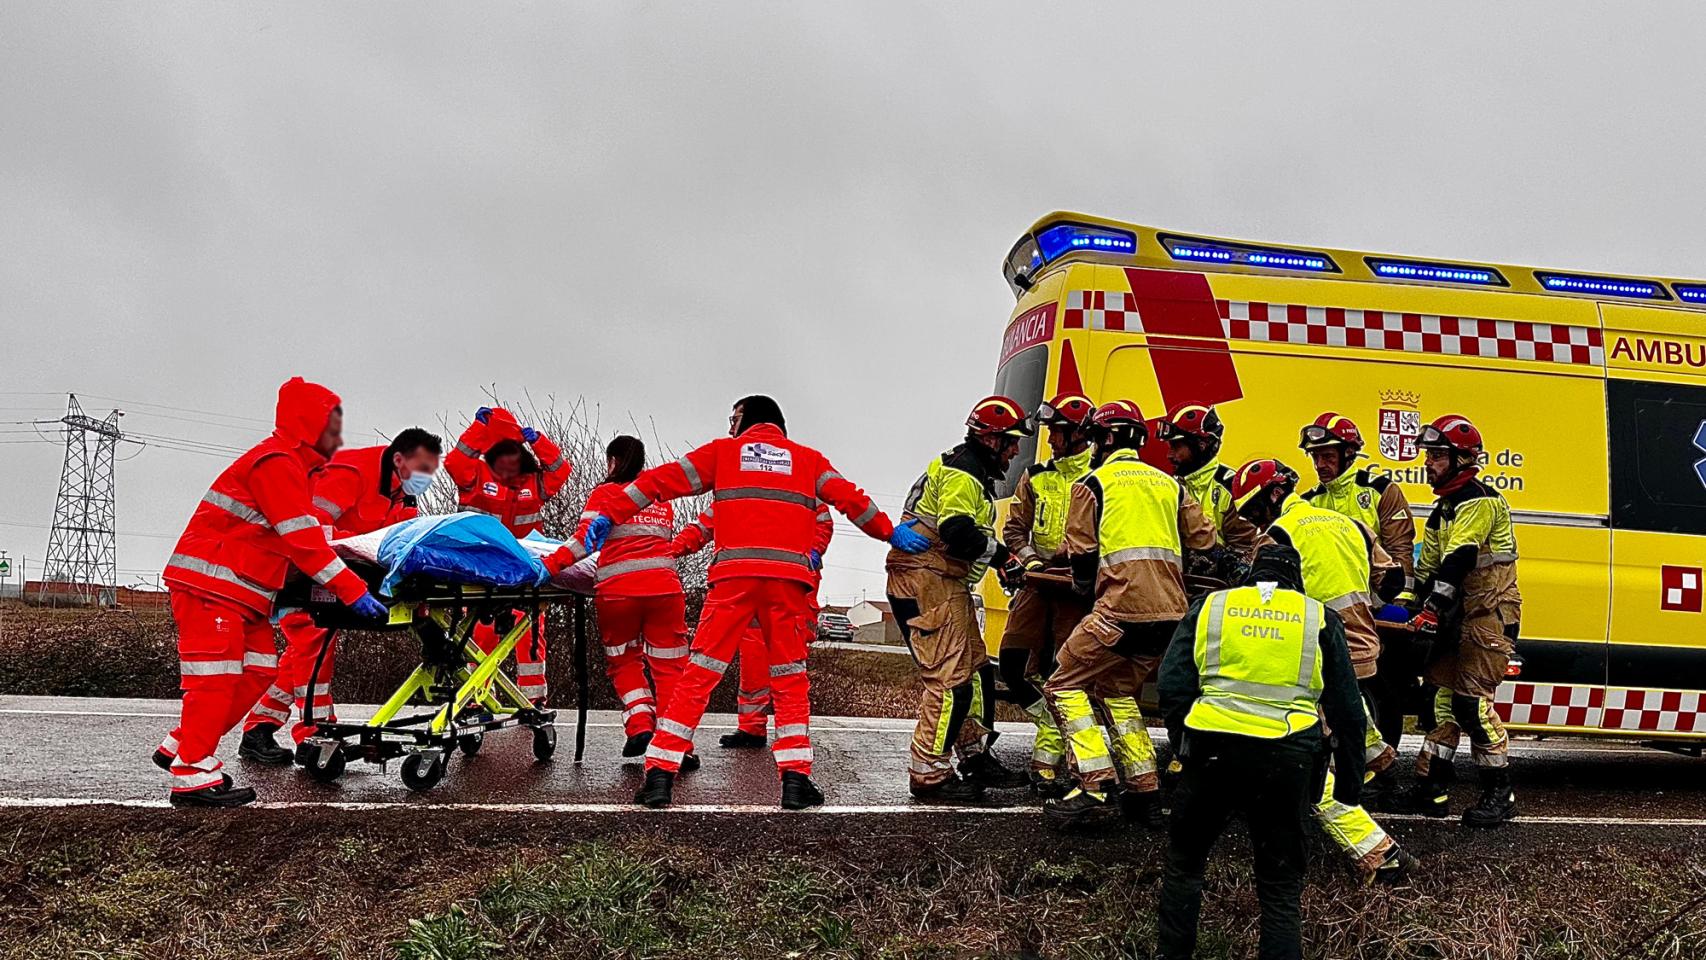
(1400, 424)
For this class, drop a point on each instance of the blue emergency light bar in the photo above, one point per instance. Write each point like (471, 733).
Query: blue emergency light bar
(1436, 272)
(1065, 238)
(1692, 292)
(1203, 251)
(1602, 286)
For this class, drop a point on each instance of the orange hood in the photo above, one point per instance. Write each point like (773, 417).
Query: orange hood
(303, 409)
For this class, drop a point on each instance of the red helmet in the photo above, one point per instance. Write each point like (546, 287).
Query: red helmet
(1068, 409)
(1330, 430)
(1119, 423)
(1193, 421)
(1451, 432)
(997, 416)
(1258, 475)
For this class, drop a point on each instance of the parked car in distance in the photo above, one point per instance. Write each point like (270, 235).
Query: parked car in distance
(834, 626)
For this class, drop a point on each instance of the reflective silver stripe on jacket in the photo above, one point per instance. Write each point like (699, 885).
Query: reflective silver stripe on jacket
(331, 509)
(824, 478)
(637, 498)
(235, 507)
(1487, 559)
(609, 570)
(867, 515)
(218, 572)
(693, 479)
(522, 519)
(304, 522)
(555, 465)
(763, 553)
(209, 668)
(1353, 599)
(466, 450)
(639, 530)
(1140, 553)
(766, 493)
(326, 573)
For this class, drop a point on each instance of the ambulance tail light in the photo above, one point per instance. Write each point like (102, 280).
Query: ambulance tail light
(1691, 292)
(1602, 286)
(1513, 666)
(1435, 272)
(1270, 258)
(1064, 238)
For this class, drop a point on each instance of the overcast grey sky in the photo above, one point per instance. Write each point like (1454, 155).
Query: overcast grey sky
(663, 207)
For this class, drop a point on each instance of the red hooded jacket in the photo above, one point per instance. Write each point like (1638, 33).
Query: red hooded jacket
(257, 521)
(347, 497)
(518, 502)
(635, 560)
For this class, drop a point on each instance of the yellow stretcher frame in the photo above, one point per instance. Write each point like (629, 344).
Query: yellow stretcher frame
(484, 697)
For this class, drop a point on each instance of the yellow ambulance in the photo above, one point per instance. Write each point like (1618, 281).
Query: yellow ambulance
(1590, 392)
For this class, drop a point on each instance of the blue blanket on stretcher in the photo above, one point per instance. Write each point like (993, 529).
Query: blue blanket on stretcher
(467, 549)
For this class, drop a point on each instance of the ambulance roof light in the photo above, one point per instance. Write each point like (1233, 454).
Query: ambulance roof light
(1437, 272)
(1065, 238)
(1272, 258)
(1692, 292)
(1602, 286)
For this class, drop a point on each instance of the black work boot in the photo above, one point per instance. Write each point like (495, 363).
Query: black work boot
(951, 790)
(1498, 800)
(659, 790)
(1383, 792)
(987, 772)
(637, 744)
(798, 791)
(258, 745)
(1049, 785)
(1081, 808)
(1143, 807)
(689, 763)
(162, 759)
(1431, 795)
(742, 740)
(223, 795)
(1395, 868)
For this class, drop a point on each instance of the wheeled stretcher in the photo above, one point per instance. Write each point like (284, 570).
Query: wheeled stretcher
(457, 693)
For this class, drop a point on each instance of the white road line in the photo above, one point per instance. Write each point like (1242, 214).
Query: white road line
(754, 809)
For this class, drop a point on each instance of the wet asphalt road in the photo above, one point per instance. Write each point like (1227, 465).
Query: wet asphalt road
(56, 751)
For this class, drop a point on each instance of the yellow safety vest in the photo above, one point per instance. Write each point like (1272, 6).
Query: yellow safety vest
(1475, 516)
(1258, 657)
(1140, 510)
(1051, 484)
(1208, 486)
(1335, 553)
(1354, 493)
(944, 492)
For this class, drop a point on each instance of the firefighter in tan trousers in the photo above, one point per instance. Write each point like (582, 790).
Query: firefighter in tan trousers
(1127, 531)
(953, 506)
(1344, 569)
(1042, 615)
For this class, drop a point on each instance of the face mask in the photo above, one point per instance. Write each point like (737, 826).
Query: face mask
(416, 484)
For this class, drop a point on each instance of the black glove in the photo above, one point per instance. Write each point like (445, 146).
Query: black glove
(1011, 574)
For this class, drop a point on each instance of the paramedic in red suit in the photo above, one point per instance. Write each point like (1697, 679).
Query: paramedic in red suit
(752, 697)
(642, 612)
(497, 474)
(766, 489)
(250, 528)
(358, 492)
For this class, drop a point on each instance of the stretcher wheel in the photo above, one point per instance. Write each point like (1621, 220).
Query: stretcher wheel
(330, 768)
(544, 743)
(470, 743)
(423, 770)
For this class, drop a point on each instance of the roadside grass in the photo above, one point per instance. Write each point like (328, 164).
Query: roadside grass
(104, 883)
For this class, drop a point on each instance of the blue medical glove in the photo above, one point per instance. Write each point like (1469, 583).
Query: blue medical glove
(596, 530)
(484, 414)
(366, 606)
(814, 560)
(529, 434)
(1392, 613)
(907, 540)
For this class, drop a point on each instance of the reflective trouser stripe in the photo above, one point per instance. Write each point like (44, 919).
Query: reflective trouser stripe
(668, 653)
(793, 755)
(638, 709)
(260, 661)
(749, 707)
(620, 650)
(787, 669)
(666, 725)
(655, 752)
(712, 664)
(793, 730)
(939, 738)
(1351, 828)
(529, 669)
(1049, 747)
(633, 696)
(261, 709)
(1136, 752)
(929, 768)
(209, 668)
(1089, 747)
